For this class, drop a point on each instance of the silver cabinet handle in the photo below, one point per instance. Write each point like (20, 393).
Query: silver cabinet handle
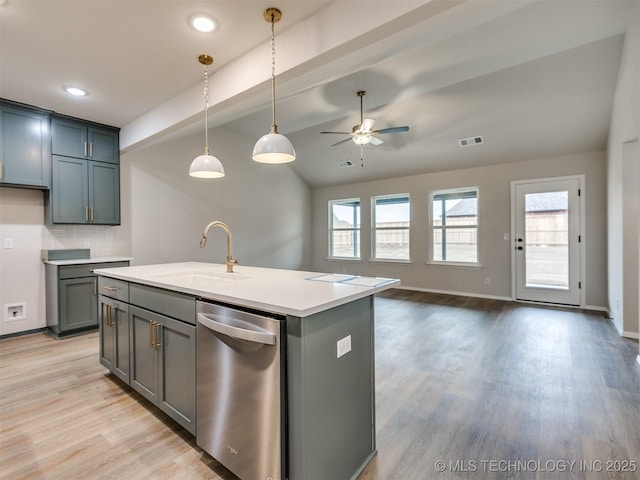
(256, 336)
(86, 214)
(91, 150)
(92, 219)
(85, 149)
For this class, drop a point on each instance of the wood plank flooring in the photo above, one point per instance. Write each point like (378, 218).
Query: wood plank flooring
(491, 389)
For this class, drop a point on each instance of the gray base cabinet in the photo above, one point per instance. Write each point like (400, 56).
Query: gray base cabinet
(25, 146)
(157, 354)
(72, 297)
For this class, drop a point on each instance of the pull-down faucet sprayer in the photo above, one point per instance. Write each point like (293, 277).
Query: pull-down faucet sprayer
(230, 260)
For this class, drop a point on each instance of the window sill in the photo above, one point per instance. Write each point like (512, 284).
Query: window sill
(472, 266)
(347, 259)
(386, 260)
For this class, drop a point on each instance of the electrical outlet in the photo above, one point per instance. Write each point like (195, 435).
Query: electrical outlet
(344, 346)
(487, 281)
(15, 311)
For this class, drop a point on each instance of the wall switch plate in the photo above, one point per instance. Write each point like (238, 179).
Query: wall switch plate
(8, 243)
(344, 346)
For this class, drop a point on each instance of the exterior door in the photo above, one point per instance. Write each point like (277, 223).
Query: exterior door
(547, 240)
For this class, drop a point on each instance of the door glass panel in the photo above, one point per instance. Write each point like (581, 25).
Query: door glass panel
(547, 239)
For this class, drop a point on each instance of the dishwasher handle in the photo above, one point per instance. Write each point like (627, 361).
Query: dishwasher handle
(235, 332)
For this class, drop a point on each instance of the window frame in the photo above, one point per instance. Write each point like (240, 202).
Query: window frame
(375, 229)
(357, 231)
(463, 192)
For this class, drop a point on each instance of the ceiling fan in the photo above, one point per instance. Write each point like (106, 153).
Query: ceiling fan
(363, 134)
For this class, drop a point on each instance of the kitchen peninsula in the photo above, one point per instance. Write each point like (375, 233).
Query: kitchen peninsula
(317, 367)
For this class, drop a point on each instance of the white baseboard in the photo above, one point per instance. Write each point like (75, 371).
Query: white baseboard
(460, 294)
(597, 309)
(615, 324)
(631, 335)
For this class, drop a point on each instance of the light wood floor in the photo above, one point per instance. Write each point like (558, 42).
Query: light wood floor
(469, 382)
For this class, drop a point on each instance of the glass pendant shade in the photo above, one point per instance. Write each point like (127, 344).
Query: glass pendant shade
(273, 148)
(206, 166)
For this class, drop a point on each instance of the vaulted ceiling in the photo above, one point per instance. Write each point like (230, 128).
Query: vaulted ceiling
(534, 78)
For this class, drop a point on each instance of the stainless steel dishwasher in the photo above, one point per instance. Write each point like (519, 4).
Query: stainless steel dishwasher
(240, 390)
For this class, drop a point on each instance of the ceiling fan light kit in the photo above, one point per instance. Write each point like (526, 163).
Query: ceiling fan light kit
(363, 134)
(273, 147)
(206, 166)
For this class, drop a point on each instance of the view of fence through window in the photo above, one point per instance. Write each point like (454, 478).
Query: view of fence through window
(344, 228)
(392, 221)
(454, 226)
(547, 239)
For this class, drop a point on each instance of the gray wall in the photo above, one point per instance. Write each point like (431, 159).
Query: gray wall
(165, 210)
(623, 186)
(494, 183)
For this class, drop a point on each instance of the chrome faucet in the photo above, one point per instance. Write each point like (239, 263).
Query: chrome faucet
(230, 260)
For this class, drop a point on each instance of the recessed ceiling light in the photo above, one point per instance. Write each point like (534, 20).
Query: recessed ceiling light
(75, 91)
(203, 23)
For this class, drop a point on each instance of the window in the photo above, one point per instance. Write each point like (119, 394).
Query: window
(391, 223)
(454, 226)
(344, 228)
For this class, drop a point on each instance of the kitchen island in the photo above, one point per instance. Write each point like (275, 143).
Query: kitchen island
(326, 408)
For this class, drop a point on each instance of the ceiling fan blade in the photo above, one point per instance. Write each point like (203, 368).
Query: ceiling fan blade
(376, 141)
(342, 141)
(339, 133)
(367, 124)
(391, 130)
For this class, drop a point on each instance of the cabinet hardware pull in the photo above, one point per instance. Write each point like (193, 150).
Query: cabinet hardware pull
(158, 344)
(91, 150)
(108, 314)
(86, 214)
(1, 172)
(85, 149)
(110, 289)
(95, 287)
(151, 339)
(92, 219)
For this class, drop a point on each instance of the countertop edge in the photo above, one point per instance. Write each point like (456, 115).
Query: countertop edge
(81, 261)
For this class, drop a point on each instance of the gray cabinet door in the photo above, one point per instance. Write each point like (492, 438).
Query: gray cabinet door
(69, 196)
(25, 152)
(163, 364)
(104, 193)
(145, 377)
(69, 138)
(78, 303)
(107, 333)
(177, 372)
(103, 145)
(113, 318)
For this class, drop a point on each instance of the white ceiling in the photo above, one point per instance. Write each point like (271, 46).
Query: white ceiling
(535, 78)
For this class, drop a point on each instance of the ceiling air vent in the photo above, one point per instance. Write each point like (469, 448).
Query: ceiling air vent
(345, 164)
(470, 141)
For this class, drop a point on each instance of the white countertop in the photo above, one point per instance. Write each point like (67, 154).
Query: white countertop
(80, 261)
(289, 292)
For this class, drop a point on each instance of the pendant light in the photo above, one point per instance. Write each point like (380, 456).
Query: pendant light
(206, 166)
(273, 147)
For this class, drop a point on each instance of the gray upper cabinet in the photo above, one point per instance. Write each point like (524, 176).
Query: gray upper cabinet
(84, 192)
(25, 140)
(78, 139)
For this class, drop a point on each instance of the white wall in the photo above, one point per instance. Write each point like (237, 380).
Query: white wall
(623, 185)
(21, 270)
(267, 207)
(494, 183)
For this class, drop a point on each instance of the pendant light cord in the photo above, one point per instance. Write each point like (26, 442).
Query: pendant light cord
(206, 112)
(274, 127)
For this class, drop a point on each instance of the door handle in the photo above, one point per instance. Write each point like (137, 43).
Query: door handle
(256, 336)
(108, 314)
(151, 334)
(157, 334)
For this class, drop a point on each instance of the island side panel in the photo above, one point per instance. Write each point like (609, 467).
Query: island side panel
(331, 413)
